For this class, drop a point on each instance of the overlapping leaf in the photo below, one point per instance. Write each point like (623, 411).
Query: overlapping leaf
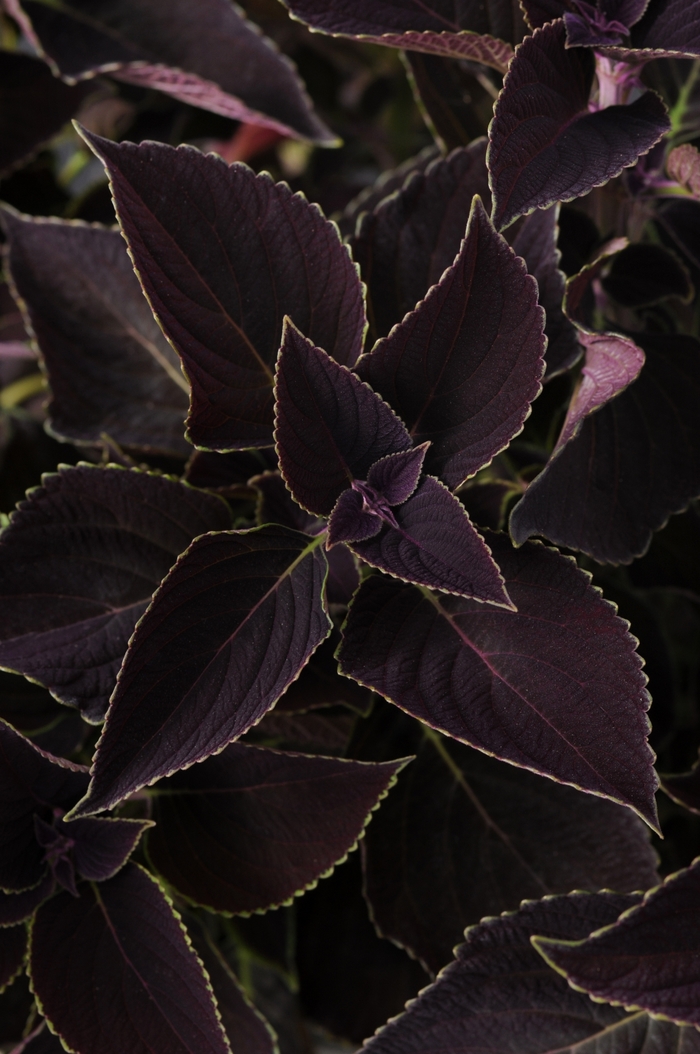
(522, 685)
(405, 243)
(463, 368)
(229, 629)
(647, 959)
(440, 27)
(250, 828)
(40, 1041)
(123, 928)
(644, 274)
(18, 907)
(32, 783)
(496, 996)
(223, 256)
(110, 368)
(80, 561)
(632, 464)
(13, 947)
(34, 106)
(218, 61)
(545, 145)
(463, 836)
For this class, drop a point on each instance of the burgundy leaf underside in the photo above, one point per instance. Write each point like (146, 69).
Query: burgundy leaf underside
(80, 561)
(648, 959)
(110, 368)
(229, 629)
(545, 146)
(521, 685)
(223, 256)
(463, 368)
(128, 980)
(218, 61)
(250, 828)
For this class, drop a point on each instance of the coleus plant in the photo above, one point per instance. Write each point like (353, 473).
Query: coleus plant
(304, 624)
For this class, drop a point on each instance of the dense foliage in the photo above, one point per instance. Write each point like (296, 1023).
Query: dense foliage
(324, 619)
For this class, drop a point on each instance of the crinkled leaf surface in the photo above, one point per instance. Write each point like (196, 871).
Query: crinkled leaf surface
(80, 561)
(216, 60)
(246, 1028)
(463, 836)
(102, 846)
(545, 146)
(434, 544)
(32, 783)
(330, 428)
(229, 629)
(405, 243)
(648, 959)
(110, 368)
(250, 828)
(462, 369)
(414, 23)
(128, 979)
(555, 687)
(632, 464)
(223, 256)
(496, 996)
(34, 106)
(683, 165)
(13, 947)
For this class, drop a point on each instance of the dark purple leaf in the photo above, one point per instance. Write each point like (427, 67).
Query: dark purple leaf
(224, 255)
(80, 561)
(350, 980)
(31, 783)
(109, 367)
(396, 476)
(522, 685)
(668, 28)
(218, 61)
(276, 505)
(455, 100)
(228, 474)
(30, 709)
(580, 299)
(354, 521)
(486, 502)
(324, 732)
(128, 979)
(496, 996)
(463, 836)
(648, 959)
(330, 428)
(231, 626)
(249, 829)
(343, 576)
(645, 274)
(40, 1041)
(246, 1028)
(18, 907)
(13, 947)
(545, 145)
(34, 106)
(102, 846)
(434, 544)
(319, 685)
(462, 369)
(633, 463)
(368, 199)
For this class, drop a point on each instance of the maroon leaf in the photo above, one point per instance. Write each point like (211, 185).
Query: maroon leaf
(368, 199)
(330, 427)
(231, 626)
(434, 544)
(79, 562)
(102, 846)
(34, 106)
(436, 27)
(545, 145)
(110, 368)
(32, 783)
(218, 61)
(646, 960)
(669, 28)
(124, 955)
(632, 464)
(518, 685)
(463, 836)
(223, 256)
(496, 996)
(462, 369)
(246, 1028)
(249, 829)
(276, 505)
(13, 947)
(18, 907)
